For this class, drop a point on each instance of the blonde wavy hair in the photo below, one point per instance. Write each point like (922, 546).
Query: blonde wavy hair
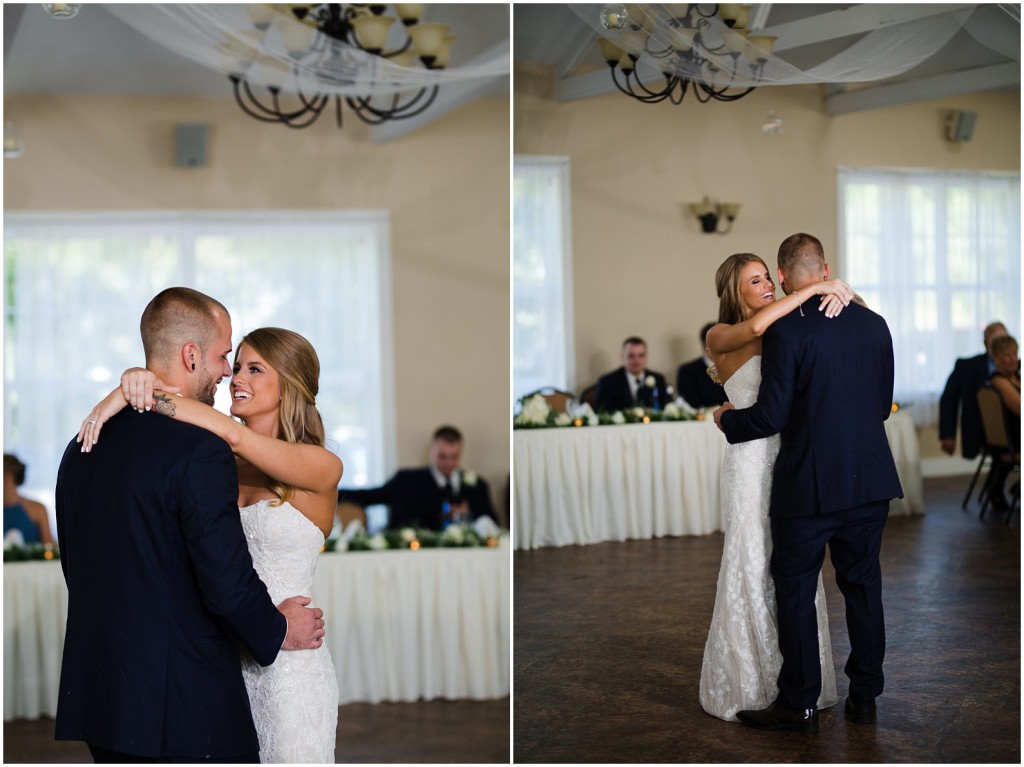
(731, 308)
(298, 369)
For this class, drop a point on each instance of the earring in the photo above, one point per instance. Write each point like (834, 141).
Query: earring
(193, 366)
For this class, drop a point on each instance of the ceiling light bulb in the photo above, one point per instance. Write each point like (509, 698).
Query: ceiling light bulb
(62, 10)
(614, 16)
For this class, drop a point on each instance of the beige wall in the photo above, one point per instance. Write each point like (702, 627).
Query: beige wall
(445, 185)
(640, 262)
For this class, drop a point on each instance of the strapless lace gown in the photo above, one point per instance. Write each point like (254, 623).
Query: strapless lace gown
(741, 657)
(295, 700)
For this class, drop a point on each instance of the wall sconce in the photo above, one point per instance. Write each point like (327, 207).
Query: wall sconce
(710, 213)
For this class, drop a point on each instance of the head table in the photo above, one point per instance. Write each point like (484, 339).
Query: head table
(582, 485)
(401, 626)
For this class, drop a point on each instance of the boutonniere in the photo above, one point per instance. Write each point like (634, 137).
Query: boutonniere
(649, 382)
(469, 478)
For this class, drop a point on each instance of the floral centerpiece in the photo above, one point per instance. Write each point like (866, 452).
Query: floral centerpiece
(482, 532)
(537, 414)
(31, 552)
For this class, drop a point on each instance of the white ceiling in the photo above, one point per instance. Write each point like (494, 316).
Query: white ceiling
(97, 53)
(556, 37)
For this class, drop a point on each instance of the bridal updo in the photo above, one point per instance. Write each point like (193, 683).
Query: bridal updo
(298, 368)
(731, 308)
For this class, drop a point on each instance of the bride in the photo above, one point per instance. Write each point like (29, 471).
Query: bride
(287, 494)
(741, 658)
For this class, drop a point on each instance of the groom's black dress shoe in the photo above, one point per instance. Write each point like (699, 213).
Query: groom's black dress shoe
(777, 717)
(860, 713)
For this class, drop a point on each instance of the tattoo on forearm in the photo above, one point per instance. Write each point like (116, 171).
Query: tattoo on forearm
(164, 405)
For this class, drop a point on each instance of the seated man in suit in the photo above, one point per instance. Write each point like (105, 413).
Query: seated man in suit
(632, 384)
(961, 397)
(694, 384)
(433, 496)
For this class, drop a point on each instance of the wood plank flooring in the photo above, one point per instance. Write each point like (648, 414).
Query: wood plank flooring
(608, 641)
(438, 732)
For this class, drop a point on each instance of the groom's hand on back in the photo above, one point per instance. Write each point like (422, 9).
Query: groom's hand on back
(305, 624)
(718, 415)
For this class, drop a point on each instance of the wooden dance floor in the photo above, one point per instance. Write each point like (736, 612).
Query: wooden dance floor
(608, 641)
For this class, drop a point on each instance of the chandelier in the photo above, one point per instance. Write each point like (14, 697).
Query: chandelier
(323, 42)
(704, 46)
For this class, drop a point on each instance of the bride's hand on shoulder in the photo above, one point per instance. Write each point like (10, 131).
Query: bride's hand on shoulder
(138, 385)
(837, 295)
(89, 433)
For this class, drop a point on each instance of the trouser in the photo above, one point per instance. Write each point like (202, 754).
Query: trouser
(854, 539)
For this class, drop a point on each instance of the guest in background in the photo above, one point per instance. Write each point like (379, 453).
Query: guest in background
(1006, 381)
(433, 496)
(27, 516)
(960, 397)
(632, 384)
(694, 384)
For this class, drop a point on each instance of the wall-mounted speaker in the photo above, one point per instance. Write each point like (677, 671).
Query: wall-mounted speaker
(960, 126)
(190, 145)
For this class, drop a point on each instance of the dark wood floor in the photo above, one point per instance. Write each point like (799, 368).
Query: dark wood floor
(443, 732)
(608, 642)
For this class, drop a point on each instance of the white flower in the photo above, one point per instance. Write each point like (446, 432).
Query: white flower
(454, 533)
(468, 478)
(341, 544)
(562, 419)
(535, 410)
(649, 382)
(408, 534)
(593, 420)
(639, 412)
(377, 542)
(618, 417)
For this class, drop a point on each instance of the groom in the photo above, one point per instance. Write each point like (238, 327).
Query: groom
(826, 385)
(161, 587)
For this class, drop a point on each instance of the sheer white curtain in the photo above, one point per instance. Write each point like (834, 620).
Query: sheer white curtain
(541, 274)
(76, 286)
(937, 253)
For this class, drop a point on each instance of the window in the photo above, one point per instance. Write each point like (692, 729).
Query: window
(541, 275)
(76, 285)
(937, 253)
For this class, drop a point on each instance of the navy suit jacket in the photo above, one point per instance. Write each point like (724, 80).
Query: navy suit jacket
(160, 587)
(613, 391)
(695, 386)
(961, 394)
(826, 386)
(415, 499)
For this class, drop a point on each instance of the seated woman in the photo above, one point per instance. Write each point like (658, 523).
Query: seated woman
(27, 516)
(1006, 381)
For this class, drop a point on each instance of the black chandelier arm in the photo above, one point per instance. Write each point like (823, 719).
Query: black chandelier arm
(267, 115)
(316, 106)
(628, 90)
(314, 115)
(397, 111)
(649, 95)
(374, 116)
(683, 84)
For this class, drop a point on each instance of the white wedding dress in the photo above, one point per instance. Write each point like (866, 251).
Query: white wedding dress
(741, 657)
(295, 700)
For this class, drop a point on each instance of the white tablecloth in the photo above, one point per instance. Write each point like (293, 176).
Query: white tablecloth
(613, 483)
(401, 626)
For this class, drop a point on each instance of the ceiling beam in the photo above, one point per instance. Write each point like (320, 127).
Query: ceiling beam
(854, 20)
(924, 89)
(12, 18)
(574, 51)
